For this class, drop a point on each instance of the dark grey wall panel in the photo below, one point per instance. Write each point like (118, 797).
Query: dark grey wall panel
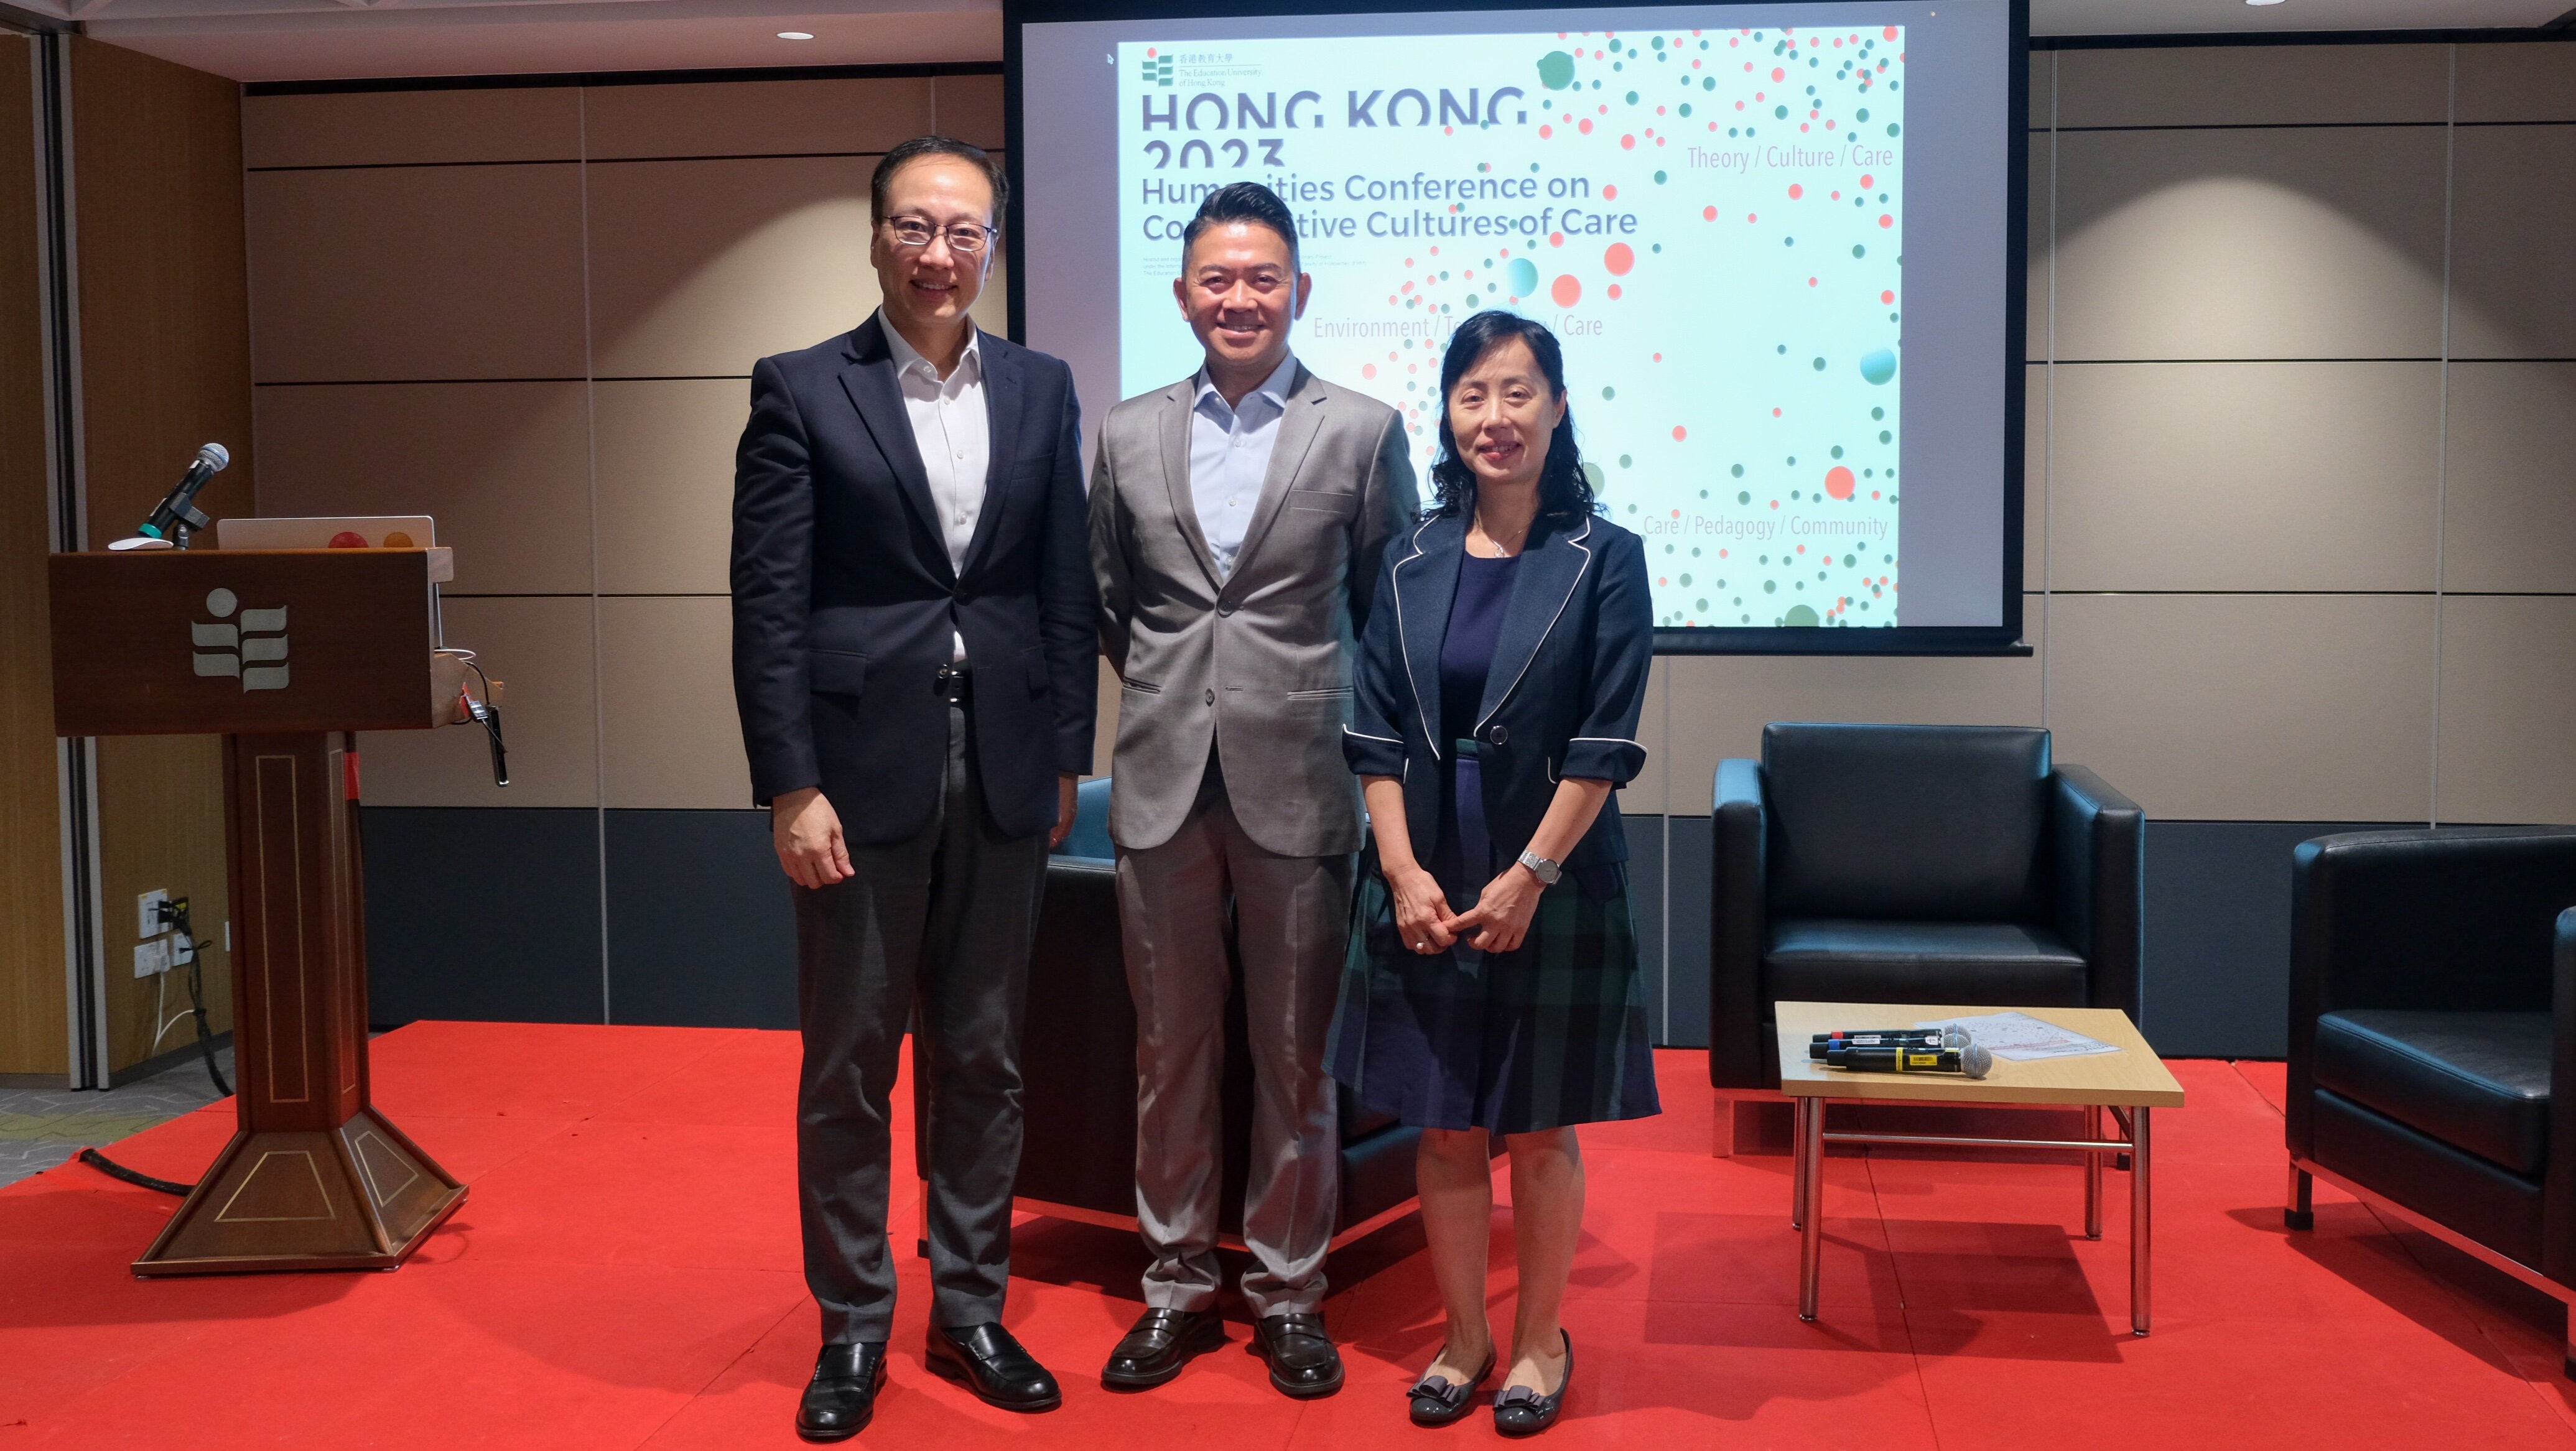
(494, 913)
(2218, 935)
(701, 932)
(487, 913)
(1646, 901)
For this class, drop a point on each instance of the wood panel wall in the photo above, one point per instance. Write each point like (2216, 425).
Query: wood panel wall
(31, 901)
(165, 366)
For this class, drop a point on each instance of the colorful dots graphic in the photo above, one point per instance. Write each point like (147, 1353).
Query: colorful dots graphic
(1778, 74)
(1556, 239)
(1796, 191)
(1708, 214)
(1544, 132)
(1567, 291)
(1613, 291)
(1584, 125)
(1885, 220)
(1887, 297)
(1524, 277)
(1878, 365)
(1889, 33)
(1627, 143)
(1679, 433)
(1839, 482)
(1368, 370)
(1609, 193)
(1618, 259)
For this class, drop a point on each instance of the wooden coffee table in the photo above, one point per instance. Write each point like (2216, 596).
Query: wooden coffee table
(2128, 1083)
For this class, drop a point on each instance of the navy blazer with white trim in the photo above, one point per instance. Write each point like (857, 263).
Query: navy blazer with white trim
(1563, 696)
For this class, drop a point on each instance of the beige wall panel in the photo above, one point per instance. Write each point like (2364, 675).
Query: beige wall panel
(2513, 258)
(2035, 250)
(540, 650)
(668, 730)
(2297, 243)
(383, 128)
(2253, 85)
(431, 272)
(2509, 495)
(666, 483)
(2249, 708)
(503, 467)
(2508, 696)
(1104, 733)
(2518, 82)
(756, 118)
(702, 268)
(992, 312)
(2043, 100)
(970, 109)
(1720, 703)
(2035, 465)
(2245, 476)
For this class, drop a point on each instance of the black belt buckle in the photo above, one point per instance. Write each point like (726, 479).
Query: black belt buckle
(951, 682)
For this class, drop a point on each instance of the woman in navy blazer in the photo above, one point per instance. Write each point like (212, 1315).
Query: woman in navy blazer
(1492, 985)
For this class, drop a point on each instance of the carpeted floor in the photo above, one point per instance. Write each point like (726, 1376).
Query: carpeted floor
(625, 1275)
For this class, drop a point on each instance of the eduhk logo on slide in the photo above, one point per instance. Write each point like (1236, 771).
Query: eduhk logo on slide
(1712, 222)
(245, 644)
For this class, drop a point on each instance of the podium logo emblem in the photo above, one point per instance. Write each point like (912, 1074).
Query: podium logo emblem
(248, 645)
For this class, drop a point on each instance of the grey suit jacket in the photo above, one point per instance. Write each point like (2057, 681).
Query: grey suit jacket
(1257, 664)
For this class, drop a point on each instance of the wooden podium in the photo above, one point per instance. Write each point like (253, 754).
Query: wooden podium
(284, 653)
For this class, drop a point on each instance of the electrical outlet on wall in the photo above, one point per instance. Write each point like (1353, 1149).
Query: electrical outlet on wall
(147, 913)
(152, 957)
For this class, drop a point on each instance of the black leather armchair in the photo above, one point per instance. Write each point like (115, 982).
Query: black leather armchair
(2433, 1029)
(1914, 864)
(1078, 1064)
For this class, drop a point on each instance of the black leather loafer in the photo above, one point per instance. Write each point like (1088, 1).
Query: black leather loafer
(1436, 1400)
(1520, 1411)
(986, 1360)
(1303, 1362)
(1161, 1343)
(842, 1397)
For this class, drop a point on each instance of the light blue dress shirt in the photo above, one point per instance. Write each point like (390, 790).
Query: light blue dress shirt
(1230, 454)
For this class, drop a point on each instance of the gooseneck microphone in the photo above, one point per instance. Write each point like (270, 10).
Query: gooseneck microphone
(1970, 1060)
(178, 513)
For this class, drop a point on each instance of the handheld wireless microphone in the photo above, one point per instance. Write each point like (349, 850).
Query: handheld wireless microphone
(1948, 1036)
(1970, 1061)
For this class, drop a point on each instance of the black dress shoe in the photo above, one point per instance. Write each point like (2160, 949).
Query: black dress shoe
(842, 1397)
(1303, 1362)
(1436, 1400)
(1162, 1342)
(986, 1360)
(1521, 1411)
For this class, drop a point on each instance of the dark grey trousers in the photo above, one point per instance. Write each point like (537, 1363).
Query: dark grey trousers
(944, 920)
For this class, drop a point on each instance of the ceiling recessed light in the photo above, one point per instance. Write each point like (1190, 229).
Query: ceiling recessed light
(809, 35)
(2262, 2)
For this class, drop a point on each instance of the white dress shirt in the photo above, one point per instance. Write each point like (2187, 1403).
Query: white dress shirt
(1230, 454)
(953, 432)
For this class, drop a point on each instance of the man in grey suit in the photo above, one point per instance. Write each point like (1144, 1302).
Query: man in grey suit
(1237, 520)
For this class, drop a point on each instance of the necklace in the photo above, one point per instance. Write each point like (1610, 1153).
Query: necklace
(1502, 543)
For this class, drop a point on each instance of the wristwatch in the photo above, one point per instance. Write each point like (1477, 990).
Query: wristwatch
(1540, 867)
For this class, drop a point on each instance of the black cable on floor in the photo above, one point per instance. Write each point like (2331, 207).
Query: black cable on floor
(114, 1170)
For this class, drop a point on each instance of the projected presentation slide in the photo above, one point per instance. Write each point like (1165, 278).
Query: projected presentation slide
(1719, 221)
(1713, 222)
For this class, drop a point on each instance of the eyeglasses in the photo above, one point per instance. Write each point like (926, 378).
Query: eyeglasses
(964, 237)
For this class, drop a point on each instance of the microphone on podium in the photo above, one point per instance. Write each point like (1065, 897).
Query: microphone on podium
(177, 514)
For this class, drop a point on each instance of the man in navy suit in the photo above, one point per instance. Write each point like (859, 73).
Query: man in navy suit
(913, 646)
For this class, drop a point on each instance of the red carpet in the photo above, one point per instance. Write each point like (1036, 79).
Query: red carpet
(625, 1275)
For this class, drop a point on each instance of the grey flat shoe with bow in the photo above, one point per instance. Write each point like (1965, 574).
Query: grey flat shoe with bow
(1436, 1400)
(1521, 1411)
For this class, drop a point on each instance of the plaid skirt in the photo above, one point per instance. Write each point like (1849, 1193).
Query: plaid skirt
(1550, 1034)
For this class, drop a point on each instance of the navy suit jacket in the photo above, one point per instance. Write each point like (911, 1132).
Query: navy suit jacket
(1562, 698)
(844, 601)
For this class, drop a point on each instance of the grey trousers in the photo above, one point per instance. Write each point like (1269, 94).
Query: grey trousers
(944, 920)
(1291, 919)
